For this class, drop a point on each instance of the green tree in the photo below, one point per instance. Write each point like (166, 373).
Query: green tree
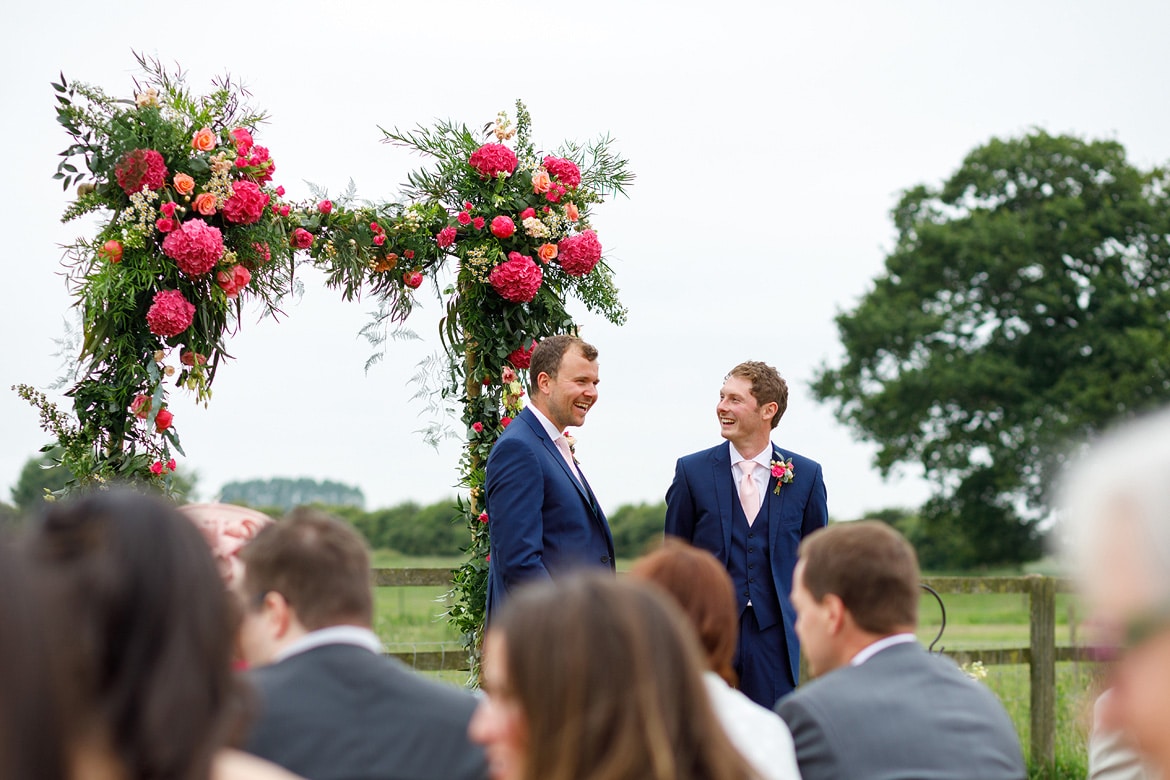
(1022, 309)
(636, 527)
(38, 474)
(287, 493)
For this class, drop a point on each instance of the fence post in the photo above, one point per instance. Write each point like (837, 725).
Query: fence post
(1042, 597)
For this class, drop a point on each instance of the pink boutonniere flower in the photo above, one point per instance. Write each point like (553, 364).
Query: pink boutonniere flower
(783, 472)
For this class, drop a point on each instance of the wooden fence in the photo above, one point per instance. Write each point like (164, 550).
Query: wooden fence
(1041, 655)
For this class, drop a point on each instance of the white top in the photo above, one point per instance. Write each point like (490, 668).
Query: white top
(556, 436)
(759, 476)
(758, 734)
(889, 641)
(333, 635)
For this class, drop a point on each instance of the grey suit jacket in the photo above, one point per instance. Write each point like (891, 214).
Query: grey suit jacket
(339, 712)
(904, 714)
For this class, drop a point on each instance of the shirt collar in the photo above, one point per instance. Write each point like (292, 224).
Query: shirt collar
(875, 648)
(333, 635)
(764, 458)
(549, 428)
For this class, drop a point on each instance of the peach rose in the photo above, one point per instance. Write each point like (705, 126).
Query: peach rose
(547, 252)
(184, 184)
(204, 204)
(204, 140)
(571, 212)
(541, 182)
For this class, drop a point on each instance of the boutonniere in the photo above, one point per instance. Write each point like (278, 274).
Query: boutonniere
(783, 472)
(572, 445)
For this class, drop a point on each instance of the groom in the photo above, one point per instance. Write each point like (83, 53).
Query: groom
(543, 519)
(750, 503)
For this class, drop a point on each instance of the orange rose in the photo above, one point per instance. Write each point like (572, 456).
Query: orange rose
(541, 182)
(571, 212)
(547, 252)
(204, 140)
(184, 184)
(204, 204)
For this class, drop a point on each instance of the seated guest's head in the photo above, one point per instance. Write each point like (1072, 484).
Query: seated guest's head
(33, 739)
(227, 528)
(702, 587)
(854, 584)
(1115, 504)
(306, 572)
(145, 631)
(588, 677)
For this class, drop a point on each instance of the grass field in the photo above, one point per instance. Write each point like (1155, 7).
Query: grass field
(412, 618)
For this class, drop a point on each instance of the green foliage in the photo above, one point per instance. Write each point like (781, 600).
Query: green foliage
(636, 528)
(284, 493)
(1023, 307)
(38, 477)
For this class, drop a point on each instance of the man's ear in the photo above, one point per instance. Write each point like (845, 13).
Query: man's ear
(278, 614)
(543, 381)
(768, 410)
(836, 612)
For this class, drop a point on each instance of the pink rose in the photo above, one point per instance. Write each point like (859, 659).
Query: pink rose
(412, 279)
(521, 357)
(571, 212)
(163, 420)
(259, 166)
(168, 208)
(580, 253)
(527, 213)
(140, 406)
(491, 160)
(184, 184)
(517, 279)
(564, 171)
(477, 427)
(302, 239)
(541, 182)
(195, 247)
(170, 313)
(325, 206)
(192, 358)
(547, 252)
(171, 464)
(478, 223)
(408, 254)
(141, 168)
(156, 468)
(505, 422)
(112, 251)
(283, 210)
(483, 517)
(203, 140)
(246, 205)
(379, 239)
(279, 191)
(164, 225)
(445, 237)
(463, 218)
(503, 227)
(554, 194)
(233, 280)
(243, 141)
(777, 471)
(204, 204)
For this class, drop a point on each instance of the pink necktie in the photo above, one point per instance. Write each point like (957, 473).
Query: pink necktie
(749, 495)
(563, 446)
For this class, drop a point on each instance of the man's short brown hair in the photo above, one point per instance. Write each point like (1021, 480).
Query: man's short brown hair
(767, 385)
(548, 354)
(319, 564)
(870, 567)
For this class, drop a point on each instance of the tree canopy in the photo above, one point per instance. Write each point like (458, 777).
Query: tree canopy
(1023, 307)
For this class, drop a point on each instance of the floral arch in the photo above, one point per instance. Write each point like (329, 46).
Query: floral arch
(191, 225)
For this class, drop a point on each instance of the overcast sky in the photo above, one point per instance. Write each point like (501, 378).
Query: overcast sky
(770, 141)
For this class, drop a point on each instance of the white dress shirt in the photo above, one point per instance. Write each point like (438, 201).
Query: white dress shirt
(333, 635)
(875, 648)
(759, 476)
(554, 434)
(758, 734)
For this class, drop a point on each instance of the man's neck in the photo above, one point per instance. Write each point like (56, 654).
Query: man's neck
(749, 450)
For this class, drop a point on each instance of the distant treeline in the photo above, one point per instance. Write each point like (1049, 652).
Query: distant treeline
(284, 493)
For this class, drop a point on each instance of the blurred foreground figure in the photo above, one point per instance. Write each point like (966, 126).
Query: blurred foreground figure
(331, 707)
(227, 528)
(144, 628)
(703, 588)
(882, 706)
(589, 678)
(1115, 506)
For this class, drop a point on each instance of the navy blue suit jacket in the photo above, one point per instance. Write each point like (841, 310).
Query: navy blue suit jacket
(541, 520)
(699, 510)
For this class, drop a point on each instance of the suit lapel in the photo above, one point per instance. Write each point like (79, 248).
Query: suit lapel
(776, 502)
(724, 489)
(553, 452)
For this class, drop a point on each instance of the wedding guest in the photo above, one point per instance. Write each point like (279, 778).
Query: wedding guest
(883, 706)
(227, 528)
(33, 741)
(544, 518)
(331, 707)
(1115, 504)
(1111, 757)
(702, 587)
(589, 678)
(781, 499)
(146, 636)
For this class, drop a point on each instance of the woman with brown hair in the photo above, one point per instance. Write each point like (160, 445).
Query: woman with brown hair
(588, 678)
(145, 633)
(700, 584)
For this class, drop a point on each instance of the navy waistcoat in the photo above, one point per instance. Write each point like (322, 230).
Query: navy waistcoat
(749, 564)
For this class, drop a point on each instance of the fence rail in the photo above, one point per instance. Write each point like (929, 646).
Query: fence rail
(1041, 655)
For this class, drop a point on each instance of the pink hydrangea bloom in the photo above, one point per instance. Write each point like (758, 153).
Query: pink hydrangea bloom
(246, 205)
(521, 357)
(564, 171)
(195, 246)
(580, 253)
(517, 279)
(170, 314)
(141, 168)
(490, 160)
